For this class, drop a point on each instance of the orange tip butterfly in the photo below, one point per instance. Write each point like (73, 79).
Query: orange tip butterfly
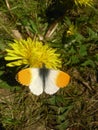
(42, 80)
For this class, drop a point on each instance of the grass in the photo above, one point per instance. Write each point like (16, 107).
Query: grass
(74, 32)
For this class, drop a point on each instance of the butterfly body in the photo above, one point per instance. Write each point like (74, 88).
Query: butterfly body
(42, 80)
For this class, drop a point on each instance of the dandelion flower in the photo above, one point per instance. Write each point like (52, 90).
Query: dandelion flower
(84, 2)
(32, 53)
(71, 30)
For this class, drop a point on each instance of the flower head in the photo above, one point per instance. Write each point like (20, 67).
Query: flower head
(32, 53)
(84, 2)
(71, 30)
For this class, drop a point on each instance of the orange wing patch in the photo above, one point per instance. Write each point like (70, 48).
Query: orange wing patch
(62, 79)
(24, 76)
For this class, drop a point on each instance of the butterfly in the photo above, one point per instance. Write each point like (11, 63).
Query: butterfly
(42, 80)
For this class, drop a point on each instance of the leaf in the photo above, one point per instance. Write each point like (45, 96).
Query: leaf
(74, 59)
(89, 63)
(67, 20)
(63, 125)
(96, 56)
(33, 27)
(72, 50)
(83, 50)
(59, 100)
(79, 38)
(92, 34)
(51, 100)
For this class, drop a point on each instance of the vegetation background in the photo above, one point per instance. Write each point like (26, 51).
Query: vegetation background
(73, 30)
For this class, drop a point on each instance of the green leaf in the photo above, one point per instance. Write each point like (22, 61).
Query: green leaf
(79, 38)
(89, 63)
(83, 50)
(74, 59)
(92, 34)
(63, 125)
(51, 100)
(72, 50)
(96, 57)
(33, 27)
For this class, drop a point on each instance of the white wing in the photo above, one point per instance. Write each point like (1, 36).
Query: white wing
(36, 85)
(50, 85)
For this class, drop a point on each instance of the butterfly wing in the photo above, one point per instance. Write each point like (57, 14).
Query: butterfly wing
(30, 77)
(50, 86)
(55, 80)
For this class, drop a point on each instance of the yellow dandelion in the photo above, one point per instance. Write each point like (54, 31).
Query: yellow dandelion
(32, 53)
(84, 2)
(71, 30)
